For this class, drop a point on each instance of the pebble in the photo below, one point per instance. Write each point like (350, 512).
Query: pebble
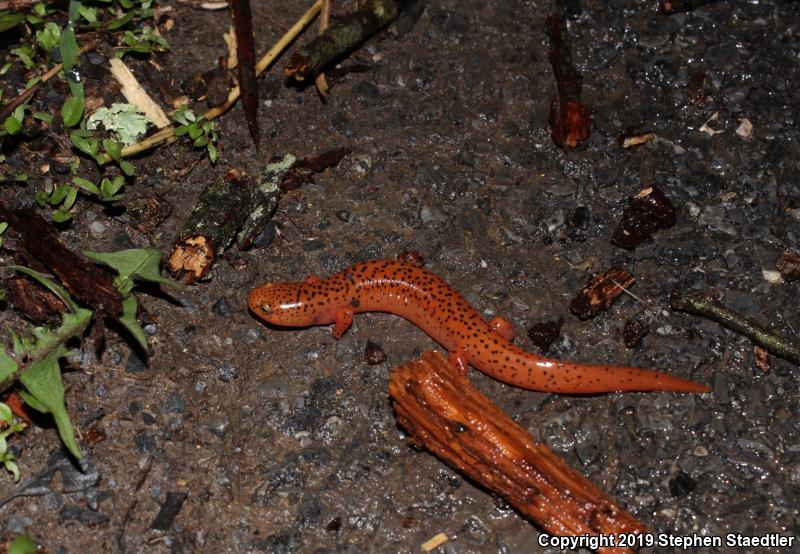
(97, 229)
(175, 403)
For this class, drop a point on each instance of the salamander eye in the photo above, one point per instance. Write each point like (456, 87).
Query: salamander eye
(265, 308)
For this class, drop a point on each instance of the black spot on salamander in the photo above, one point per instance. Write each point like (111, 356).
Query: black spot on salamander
(355, 302)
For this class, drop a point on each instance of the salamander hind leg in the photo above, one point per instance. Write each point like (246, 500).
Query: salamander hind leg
(312, 280)
(343, 321)
(503, 327)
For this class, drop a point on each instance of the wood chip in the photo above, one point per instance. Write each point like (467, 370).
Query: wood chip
(136, 95)
(444, 413)
(435, 542)
(600, 292)
(636, 140)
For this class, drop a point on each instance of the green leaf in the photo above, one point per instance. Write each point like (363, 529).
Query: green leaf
(86, 185)
(6, 415)
(113, 148)
(68, 47)
(127, 168)
(23, 544)
(43, 381)
(58, 195)
(120, 21)
(42, 377)
(43, 116)
(33, 403)
(88, 13)
(86, 145)
(129, 321)
(60, 216)
(12, 125)
(7, 365)
(10, 20)
(69, 201)
(212, 152)
(139, 264)
(72, 110)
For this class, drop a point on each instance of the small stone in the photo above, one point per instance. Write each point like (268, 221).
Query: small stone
(227, 373)
(343, 216)
(217, 425)
(222, 307)
(373, 353)
(169, 510)
(97, 229)
(175, 403)
(135, 363)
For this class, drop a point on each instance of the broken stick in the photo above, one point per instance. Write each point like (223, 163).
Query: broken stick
(442, 412)
(341, 37)
(704, 305)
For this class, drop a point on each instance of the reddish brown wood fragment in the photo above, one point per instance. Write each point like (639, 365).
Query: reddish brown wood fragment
(634, 332)
(443, 413)
(600, 292)
(788, 266)
(761, 358)
(246, 53)
(649, 211)
(34, 302)
(544, 334)
(302, 172)
(569, 118)
(40, 247)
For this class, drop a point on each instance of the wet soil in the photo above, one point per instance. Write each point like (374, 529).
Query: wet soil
(237, 437)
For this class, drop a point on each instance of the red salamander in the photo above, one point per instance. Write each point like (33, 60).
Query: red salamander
(427, 301)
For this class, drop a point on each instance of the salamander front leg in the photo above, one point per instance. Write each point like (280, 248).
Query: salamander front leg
(503, 327)
(458, 357)
(343, 321)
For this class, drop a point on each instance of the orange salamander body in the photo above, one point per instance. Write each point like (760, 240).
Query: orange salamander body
(427, 301)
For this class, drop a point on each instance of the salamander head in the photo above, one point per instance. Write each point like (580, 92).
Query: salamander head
(286, 304)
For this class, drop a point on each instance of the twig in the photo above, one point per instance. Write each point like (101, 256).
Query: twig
(704, 305)
(167, 134)
(444, 413)
(347, 33)
(246, 52)
(324, 19)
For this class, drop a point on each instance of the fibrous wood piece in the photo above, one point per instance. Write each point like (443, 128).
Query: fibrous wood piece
(443, 413)
(341, 37)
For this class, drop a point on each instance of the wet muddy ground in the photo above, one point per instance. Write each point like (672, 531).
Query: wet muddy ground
(262, 440)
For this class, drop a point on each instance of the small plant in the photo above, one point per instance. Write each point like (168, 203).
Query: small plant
(7, 428)
(34, 361)
(203, 133)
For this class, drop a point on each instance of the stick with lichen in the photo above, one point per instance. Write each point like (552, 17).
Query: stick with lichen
(701, 304)
(237, 206)
(347, 33)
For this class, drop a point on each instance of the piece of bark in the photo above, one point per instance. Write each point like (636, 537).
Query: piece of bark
(444, 413)
(343, 36)
(239, 207)
(39, 247)
(702, 304)
(246, 53)
(36, 303)
(649, 211)
(544, 334)
(302, 172)
(600, 292)
(634, 331)
(569, 118)
(789, 266)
